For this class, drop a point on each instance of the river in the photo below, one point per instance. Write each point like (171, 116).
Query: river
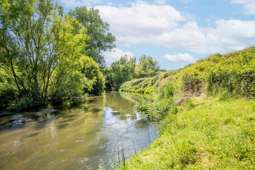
(100, 133)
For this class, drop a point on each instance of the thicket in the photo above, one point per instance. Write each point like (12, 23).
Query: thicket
(160, 105)
(232, 73)
(126, 69)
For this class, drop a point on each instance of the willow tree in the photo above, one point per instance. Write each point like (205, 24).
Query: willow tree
(37, 43)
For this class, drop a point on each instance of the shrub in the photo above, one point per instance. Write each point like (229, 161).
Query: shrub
(191, 84)
(166, 91)
(6, 97)
(233, 83)
(23, 104)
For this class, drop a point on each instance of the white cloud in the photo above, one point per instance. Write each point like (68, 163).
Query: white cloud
(226, 35)
(115, 54)
(249, 5)
(179, 58)
(163, 25)
(140, 21)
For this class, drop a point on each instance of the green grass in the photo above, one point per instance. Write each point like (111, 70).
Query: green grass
(212, 134)
(213, 127)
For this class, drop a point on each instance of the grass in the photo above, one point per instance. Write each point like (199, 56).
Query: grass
(212, 134)
(207, 115)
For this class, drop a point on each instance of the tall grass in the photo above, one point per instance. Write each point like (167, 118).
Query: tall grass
(212, 135)
(214, 125)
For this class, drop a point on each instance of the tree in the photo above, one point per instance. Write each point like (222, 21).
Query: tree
(100, 39)
(95, 81)
(40, 49)
(146, 67)
(121, 71)
(67, 80)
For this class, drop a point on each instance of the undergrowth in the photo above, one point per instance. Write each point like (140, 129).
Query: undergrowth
(206, 112)
(212, 134)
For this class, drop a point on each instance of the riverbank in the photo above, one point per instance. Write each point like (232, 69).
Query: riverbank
(210, 133)
(207, 115)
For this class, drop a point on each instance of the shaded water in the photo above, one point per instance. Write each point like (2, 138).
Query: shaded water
(98, 134)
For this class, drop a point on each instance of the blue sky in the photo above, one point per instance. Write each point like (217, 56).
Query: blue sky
(175, 32)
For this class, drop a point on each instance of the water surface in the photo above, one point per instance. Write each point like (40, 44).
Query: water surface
(98, 134)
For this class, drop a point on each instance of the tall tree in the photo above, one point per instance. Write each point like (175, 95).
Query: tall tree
(100, 39)
(121, 71)
(37, 43)
(68, 80)
(146, 67)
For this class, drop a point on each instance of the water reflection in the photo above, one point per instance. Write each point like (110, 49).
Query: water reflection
(98, 136)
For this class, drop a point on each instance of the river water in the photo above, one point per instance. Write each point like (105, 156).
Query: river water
(101, 133)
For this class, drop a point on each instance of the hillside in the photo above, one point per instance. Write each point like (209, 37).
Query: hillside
(233, 72)
(206, 112)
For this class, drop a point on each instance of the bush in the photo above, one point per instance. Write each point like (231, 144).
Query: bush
(6, 97)
(233, 83)
(22, 104)
(166, 91)
(95, 82)
(192, 85)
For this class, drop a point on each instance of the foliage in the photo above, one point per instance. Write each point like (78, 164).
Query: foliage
(232, 72)
(94, 83)
(206, 133)
(27, 43)
(211, 135)
(166, 91)
(121, 71)
(144, 85)
(160, 105)
(7, 89)
(126, 69)
(67, 79)
(41, 51)
(100, 39)
(146, 67)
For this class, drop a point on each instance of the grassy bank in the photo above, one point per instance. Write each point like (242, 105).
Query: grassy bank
(207, 115)
(232, 73)
(210, 134)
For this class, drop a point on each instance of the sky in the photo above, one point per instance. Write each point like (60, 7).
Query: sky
(175, 32)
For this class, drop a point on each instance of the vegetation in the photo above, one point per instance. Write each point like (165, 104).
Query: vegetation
(94, 77)
(206, 110)
(42, 56)
(232, 73)
(121, 71)
(147, 85)
(210, 135)
(100, 39)
(47, 55)
(126, 69)
(207, 115)
(146, 67)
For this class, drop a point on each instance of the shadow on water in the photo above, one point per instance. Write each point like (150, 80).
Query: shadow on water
(17, 121)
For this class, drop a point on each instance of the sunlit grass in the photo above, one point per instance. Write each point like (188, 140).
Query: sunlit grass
(211, 134)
